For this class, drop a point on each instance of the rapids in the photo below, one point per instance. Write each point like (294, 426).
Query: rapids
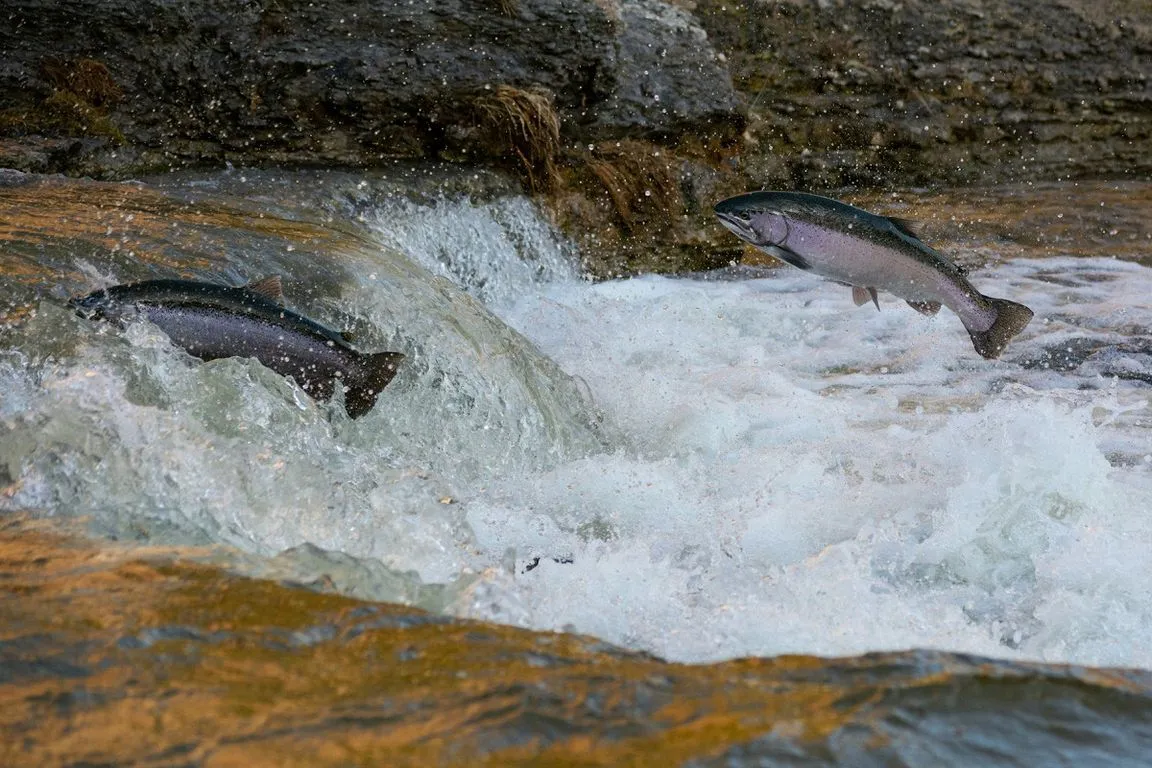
(704, 467)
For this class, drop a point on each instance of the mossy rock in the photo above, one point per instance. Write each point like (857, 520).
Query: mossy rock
(61, 114)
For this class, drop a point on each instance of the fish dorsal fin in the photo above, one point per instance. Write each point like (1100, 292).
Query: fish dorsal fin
(269, 287)
(863, 295)
(929, 308)
(907, 226)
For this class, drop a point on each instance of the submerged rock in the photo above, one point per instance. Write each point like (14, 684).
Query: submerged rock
(111, 658)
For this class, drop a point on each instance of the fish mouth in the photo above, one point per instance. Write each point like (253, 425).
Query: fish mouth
(77, 303)
(86, 307)
(725, 217)
(734, 224)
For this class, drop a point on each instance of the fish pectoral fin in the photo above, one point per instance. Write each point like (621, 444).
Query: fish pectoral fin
(367, 379)
(929, 308)
(788, 255)
(863, 295)
(270, 287)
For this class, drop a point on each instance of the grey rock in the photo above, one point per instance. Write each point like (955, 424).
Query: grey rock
(668, 77)
(344, 81)
(981, 75)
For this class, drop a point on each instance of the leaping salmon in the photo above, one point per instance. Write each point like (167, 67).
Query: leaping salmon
(212, 321)
(848, 245)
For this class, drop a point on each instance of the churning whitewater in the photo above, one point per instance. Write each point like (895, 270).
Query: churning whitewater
(773, 471)
(800, 477)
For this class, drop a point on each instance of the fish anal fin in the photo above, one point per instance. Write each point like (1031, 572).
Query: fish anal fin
(907, 226)
(270, 287)
(369, 377)
(863, 295)
(929, 308)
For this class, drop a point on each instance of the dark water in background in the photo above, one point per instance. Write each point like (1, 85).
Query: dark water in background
(581, 435)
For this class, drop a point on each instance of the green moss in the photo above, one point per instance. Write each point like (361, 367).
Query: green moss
(83, 89)
(61, 114)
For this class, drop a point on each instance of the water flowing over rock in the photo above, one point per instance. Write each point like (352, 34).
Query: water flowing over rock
(160, 661)
(247, 437)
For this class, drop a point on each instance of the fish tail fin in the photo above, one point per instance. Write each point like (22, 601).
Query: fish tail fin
(371, 375)
(1010, 320)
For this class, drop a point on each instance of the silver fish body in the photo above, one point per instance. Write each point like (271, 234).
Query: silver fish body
(215, 321)
(846, 244)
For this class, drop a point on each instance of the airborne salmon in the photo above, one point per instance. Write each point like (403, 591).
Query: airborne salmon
(848, 245)
(213, 321)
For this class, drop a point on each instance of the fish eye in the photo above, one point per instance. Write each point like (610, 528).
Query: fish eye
(745, 216)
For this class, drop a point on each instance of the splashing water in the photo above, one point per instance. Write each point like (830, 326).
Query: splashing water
(125, 428)
(497, 251)
(779, 471)
(813, 478)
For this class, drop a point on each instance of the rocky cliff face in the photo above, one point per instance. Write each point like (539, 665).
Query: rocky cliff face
(107, 86)
(926, 92)
(837, 93)
(630, 117)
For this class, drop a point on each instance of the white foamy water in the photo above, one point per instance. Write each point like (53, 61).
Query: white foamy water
(804, 476)
(774, 470)
(497, 250)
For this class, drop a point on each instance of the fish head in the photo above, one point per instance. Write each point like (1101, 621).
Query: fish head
(756, 218)
(95, 306)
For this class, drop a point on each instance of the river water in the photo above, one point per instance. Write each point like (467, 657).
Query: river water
(703, 467)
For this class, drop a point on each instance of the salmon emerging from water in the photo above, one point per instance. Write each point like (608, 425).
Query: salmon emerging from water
(848, 245)
(213, 321)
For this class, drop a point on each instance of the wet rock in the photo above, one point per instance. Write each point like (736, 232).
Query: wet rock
(668, 78)
(149, 85)
(1018, 90)
(132, 657)
(1130, 361)
(343, 82)
(1065, 356)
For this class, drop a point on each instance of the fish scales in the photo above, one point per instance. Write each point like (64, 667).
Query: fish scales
(210, 333)
(215, 321)
(849, 245)
(890, 264)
